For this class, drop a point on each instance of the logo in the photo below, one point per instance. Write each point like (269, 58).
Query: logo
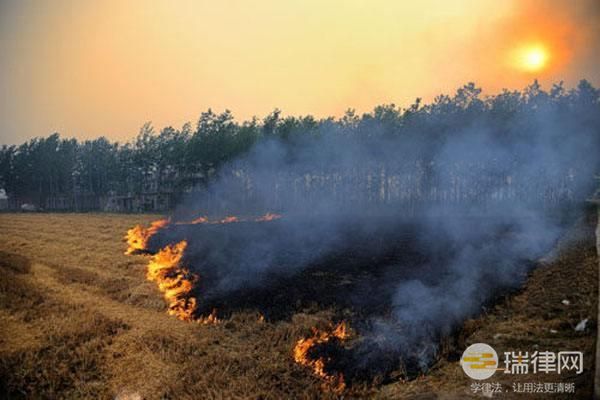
(479, 361)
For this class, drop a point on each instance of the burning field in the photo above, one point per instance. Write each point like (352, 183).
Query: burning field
(300, 275)
(90, 321)
(378, 236)
(311, 289)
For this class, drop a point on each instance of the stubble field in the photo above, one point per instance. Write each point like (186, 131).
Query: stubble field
(78, 319)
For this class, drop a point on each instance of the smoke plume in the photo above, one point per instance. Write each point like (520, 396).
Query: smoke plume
(481, 189)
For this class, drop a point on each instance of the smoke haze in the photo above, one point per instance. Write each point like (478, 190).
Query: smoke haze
(481, 202)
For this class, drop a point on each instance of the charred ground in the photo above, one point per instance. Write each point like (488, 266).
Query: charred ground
(79, 320)
(354, 272)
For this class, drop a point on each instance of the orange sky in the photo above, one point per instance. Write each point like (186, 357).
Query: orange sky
(90, 68)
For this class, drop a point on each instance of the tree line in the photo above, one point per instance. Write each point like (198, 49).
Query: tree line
(177, 161)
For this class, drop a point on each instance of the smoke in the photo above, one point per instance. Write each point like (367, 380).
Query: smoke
(482, 192)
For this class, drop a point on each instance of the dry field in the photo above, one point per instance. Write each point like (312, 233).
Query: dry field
(78, 319)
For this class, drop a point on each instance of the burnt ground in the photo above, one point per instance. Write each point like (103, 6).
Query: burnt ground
(535, 317)
(359, 282)
(79, 320)
(355, 273)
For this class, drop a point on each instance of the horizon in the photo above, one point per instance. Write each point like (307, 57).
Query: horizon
(282, 115)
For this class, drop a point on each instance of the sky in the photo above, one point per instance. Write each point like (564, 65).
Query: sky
(86, 68)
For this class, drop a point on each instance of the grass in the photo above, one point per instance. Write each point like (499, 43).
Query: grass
(79, 320)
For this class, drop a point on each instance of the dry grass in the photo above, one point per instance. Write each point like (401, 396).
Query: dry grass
(79, 320)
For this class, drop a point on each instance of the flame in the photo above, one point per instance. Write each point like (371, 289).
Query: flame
(209, 319)
(268, 217)
(303, 347)
(230, 219)
(199, 220)
(138, 236)
(174, 281)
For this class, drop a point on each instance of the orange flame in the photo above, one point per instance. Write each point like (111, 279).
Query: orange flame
(303, 347)
(199, 220)
(138, 236)
(210, 318)
(174, 281)
(228, 220)
(268, 217)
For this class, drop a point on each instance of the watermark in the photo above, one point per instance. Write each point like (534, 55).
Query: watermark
(480, 362)
(491, 388)
(543, 362)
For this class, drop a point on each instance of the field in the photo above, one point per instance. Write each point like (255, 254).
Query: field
(78, 319)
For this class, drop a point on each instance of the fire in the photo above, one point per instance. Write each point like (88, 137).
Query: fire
(304, 346)
(228, 220)
(199, 220)
(209, 319)
(268, 217)
(138, 236)
(165, 267)
(174, 281)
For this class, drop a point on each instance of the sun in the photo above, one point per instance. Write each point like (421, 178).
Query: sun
(535, 59)
(532, 58)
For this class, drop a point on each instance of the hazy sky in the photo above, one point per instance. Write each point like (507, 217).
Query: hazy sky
(90, 68)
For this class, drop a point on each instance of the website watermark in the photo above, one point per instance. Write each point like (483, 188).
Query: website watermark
(480, 361)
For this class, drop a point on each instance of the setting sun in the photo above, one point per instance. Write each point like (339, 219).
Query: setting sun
(535, 58)
(532, 58)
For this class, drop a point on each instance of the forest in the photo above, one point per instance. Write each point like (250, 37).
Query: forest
(154, 170)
